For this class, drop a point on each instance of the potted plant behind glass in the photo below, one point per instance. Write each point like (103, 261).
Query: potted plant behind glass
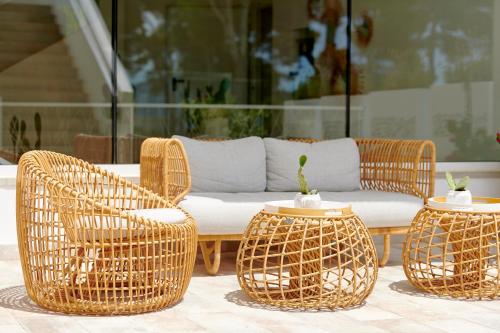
(458, 193)
(305, 198)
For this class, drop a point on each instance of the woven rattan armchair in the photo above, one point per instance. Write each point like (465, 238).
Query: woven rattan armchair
(82, 248)
(405, 166)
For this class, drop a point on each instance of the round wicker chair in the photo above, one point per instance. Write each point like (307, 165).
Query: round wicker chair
(82, 248)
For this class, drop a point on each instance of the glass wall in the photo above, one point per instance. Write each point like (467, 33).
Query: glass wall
(235, 68)
(430, 69)
(54, 80)
(421, 69)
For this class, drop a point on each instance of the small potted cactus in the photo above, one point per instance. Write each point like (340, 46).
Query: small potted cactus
(305, 198)
(458, 193)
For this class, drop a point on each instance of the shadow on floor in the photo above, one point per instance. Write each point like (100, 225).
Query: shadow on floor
(16, 298)
(239, 297)
(405, 287)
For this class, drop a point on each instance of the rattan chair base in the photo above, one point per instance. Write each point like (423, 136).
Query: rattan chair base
(58, 300)
(307, 262)
(454, 253)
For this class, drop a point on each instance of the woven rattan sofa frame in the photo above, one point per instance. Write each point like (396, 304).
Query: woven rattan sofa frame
(404, 166)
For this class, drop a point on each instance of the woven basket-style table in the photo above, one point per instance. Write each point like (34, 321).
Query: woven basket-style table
(453, 250)
(307, 258)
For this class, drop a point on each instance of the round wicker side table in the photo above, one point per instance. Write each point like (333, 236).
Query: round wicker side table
(301, 258)
(454, 251)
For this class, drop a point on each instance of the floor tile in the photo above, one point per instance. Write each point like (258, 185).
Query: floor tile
(217, 304)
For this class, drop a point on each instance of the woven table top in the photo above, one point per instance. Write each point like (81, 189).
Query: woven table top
(328, 208)
(479, 204)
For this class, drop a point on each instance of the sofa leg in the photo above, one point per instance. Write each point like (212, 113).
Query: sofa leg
(212, 266)
(387, 251)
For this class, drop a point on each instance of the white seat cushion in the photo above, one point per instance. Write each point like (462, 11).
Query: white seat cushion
(230, 213)
(104, 228)
(162, 215)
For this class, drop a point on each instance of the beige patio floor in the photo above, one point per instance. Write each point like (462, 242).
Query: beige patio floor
(216, 304)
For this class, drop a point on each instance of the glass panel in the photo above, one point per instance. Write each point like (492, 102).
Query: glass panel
(235, 68)
(429, 69)
(54, 79)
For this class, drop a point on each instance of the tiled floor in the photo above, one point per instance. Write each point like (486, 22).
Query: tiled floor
(216, 304)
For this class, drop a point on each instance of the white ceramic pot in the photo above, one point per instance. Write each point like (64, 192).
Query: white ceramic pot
(459, 197)
(307, 201)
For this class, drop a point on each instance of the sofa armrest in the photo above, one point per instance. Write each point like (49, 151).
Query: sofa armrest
(165, 168)
(406, 166)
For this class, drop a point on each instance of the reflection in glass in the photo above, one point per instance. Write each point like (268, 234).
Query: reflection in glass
(420, 69)
(429, 73)
(235, 68)
(54, 76)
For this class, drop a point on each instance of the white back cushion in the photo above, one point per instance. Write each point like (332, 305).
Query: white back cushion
(226, 166)
(332, 165)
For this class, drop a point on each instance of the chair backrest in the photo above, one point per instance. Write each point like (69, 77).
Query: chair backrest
(406, 166)
(76, 199)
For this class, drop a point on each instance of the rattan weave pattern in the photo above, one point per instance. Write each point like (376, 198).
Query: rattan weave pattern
(405, 166)
(454, 253)
(164, 168)
(81, 249)
(307, 262)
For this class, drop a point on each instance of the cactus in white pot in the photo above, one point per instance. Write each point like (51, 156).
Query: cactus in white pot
(458, 193)
(305, 198)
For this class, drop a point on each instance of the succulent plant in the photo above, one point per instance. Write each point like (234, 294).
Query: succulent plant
(25, 144)
(14, 132)
(38, 129)
(20, 143)
(457, 185)
(303, 186)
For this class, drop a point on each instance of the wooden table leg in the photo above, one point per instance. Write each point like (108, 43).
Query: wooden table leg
(306, 259)
(469, 244)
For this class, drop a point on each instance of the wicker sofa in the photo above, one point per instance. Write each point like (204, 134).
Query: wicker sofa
(396, 178)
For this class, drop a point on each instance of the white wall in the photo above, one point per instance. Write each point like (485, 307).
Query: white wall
(403, 113)
(8, 209)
